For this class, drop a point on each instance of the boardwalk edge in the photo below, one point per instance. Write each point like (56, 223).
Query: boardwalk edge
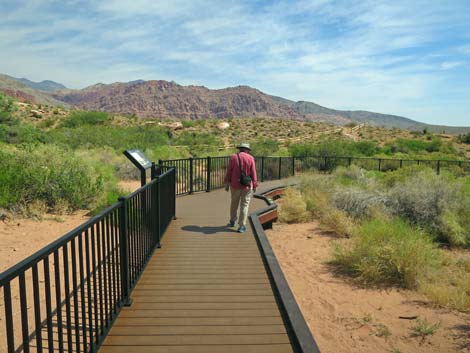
(300, 333)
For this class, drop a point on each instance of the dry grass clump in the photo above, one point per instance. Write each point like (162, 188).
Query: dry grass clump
(397, 222)
(388, 253)
(313, 200)
(451, 285)
(293, 208)
(358, 202)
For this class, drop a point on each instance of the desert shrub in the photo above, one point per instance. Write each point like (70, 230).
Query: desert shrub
(77, 119)
(450, 285)
(293, 208)
(118, 138)
(359, 202)
(351, 175)
(464, 138)
(264, 146)
(388, 253)
(48, 174)
(7, 107)
(317, 192)
(423, 199)
(188, 123)
(23, 134)
(338, 148)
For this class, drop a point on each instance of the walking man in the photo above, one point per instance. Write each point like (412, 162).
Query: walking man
(242, 181)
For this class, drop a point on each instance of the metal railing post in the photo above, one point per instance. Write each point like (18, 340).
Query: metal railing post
(208, 181)
(401, 163)
(380, 164)
(438, 167)
(153, 171)
(280, 163)
(293, 166)
(262, 169)
(159, 213)
(191, 175)
(124, 252)
(174, 193)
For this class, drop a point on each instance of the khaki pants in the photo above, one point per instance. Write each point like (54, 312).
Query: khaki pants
(240, 197)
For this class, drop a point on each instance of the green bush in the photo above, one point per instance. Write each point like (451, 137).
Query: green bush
(77, 119)
(7, 107)
(118, 138)
(264, 147)
(388, 253)
(339, 148)
(423, 199)
(47, 174)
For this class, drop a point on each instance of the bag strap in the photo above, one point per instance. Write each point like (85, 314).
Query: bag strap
(239, 163)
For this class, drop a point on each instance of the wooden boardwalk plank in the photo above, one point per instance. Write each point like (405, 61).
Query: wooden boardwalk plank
(205, 291)
(168, 340)
(271, 348)
(198, 330)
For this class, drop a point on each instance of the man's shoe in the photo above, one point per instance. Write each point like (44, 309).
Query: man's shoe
(231, 224)
(242, 229)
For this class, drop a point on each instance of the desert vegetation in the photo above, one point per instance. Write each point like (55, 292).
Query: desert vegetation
(92, 142)
(407, 228)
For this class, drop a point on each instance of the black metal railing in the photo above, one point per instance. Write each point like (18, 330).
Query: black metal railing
(205, 174)
(65, 297)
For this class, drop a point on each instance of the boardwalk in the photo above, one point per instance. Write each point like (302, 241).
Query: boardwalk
(205, 291)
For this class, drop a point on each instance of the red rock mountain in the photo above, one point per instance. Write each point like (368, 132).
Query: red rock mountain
(163, 99)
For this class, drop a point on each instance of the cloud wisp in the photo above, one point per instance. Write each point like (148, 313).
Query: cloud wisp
(404, 58)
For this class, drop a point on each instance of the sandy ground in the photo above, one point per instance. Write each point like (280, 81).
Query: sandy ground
(20, 237)
(348, 319)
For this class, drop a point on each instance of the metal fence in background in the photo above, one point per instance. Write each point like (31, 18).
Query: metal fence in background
(65, 297)
(205, 174)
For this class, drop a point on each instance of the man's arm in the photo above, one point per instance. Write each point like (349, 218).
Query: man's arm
(254, 177)
(228, 174)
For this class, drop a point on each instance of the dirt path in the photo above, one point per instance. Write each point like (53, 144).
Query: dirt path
(20, 238)
(347, 319)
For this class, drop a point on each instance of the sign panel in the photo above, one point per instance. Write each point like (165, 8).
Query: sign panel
(138, 158)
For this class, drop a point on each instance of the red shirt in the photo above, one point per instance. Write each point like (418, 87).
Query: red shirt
(232, 176)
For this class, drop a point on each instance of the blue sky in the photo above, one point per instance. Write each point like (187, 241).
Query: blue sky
(409, 58)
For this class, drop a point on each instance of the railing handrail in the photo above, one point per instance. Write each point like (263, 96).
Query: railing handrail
(33, 259)
(105, 254)
(330, 156)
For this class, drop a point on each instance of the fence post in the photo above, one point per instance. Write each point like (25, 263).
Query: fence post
(174, 194)
(326, 161)
(401, 163)
(380, 164)
(208, 181)
(159, 213)
(280, 162)
(124, 252)
(349, 161)
(191, 175)
(262, 169)
(153, 171)
(438, 167)
(293, 166)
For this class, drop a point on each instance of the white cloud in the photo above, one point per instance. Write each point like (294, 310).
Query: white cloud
(373, 55)
(449, 65)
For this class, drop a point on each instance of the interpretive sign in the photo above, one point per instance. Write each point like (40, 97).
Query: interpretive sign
(138, 158)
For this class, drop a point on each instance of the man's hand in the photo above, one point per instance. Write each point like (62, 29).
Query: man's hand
(254, 190)
(227, 187)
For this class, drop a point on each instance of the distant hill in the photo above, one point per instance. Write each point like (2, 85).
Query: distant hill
(47, 85)
(370, 118)
(12, 87)
(164, 99)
